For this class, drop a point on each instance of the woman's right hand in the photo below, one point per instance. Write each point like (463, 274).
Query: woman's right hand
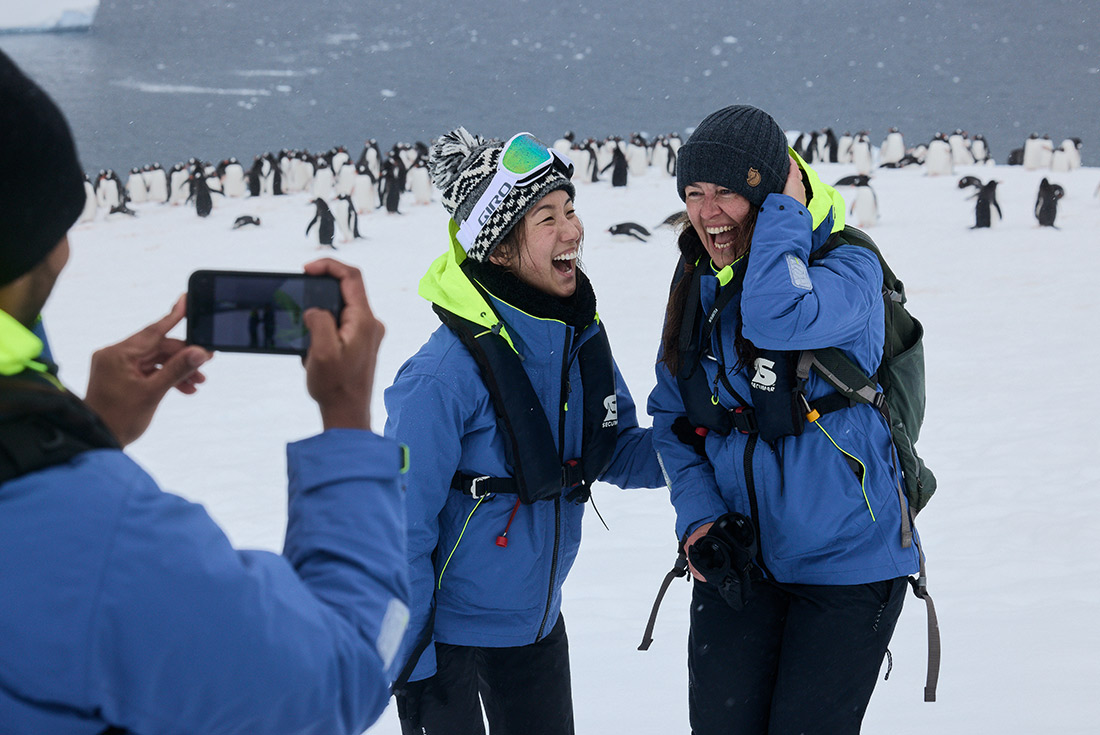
(794, 187)
(699, 533)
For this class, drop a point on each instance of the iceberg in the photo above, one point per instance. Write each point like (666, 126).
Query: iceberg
(47, 15)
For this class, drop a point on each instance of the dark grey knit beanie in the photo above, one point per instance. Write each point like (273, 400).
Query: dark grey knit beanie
(739, 147)
(461, 166)
(41, 182)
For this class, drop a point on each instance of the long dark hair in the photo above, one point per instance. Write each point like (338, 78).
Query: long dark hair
(692, 252)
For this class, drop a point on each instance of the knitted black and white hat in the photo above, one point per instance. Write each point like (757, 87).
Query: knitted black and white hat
(41, 182)
(462, 165)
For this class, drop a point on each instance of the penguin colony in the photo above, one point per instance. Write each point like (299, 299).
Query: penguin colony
(342, 189)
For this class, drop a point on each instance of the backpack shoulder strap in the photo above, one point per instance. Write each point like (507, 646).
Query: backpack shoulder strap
(41, 426)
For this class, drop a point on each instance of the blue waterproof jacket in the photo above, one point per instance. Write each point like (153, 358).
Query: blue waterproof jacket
(438, 405)
(126, 606)
(819, 522)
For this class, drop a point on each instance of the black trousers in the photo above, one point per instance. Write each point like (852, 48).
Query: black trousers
(525, 690)
(797, 660)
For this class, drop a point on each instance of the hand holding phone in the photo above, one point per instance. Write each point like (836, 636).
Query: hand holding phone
(244, 311)
(342, 357)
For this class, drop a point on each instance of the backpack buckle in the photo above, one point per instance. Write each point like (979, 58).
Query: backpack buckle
(744, 419)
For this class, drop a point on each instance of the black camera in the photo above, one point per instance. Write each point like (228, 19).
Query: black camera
(724, 556)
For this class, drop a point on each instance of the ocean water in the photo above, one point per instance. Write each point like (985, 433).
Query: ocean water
(165, 80)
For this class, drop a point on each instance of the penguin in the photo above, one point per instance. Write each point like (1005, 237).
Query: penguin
(674, 219)
(618, 164)
(178, 188)
(799, 145)
(371, 157)
(345, 178)
(156, 183)
(1046, 203)
(659, 158)
(1067, 156)
(564, 144)
(254, 176)
(830, 146)
(966, 181)
(276, 174)
(593, 171)
(122, 209)
(338, 158)
(324, 182)
(245, 219)
(232, 178)
(636, 153)
(420, 184)
(861, 154)
(844, 148)
(362, 193)
(1038, 152)
(938, 161)
(201, 193)
(136, 191)
(347, 219)
(1016, 157)
(960, 148)
(632, 229)
(979, 148)
(392, 183)
(108, 190)
(864, 205)
(893, 148)
(325, 221)
(986, 202)
(91, 205)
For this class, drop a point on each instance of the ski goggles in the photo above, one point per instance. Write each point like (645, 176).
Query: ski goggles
(523, 161)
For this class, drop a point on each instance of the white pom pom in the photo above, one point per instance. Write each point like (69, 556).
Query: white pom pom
(449, 153)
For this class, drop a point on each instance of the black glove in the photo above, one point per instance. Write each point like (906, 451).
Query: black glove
(409, 698)
(724, 556)
(688, 434)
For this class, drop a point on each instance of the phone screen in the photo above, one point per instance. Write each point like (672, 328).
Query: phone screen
(241, 311)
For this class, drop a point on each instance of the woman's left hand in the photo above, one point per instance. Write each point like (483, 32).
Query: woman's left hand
(794, 187)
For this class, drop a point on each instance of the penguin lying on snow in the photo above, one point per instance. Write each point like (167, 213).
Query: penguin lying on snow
(1046, 203)
(245, 219)
(966, 181)
(633, 229)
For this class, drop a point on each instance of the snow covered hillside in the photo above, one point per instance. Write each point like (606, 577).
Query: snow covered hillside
(46, 15)
(1011, 431)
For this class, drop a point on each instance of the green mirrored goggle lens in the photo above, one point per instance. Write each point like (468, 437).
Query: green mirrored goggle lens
(524, 154)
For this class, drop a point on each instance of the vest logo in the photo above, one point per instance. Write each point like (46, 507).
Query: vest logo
(611, 403)
(765, 376)
(753, 178)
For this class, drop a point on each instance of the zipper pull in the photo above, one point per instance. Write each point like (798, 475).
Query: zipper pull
(502, 539)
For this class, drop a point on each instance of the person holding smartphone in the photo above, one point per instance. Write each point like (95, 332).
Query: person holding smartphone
(788, 501)
(124, 608)
(511, 410)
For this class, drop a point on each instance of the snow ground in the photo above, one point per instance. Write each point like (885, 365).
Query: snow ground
(1011, 429)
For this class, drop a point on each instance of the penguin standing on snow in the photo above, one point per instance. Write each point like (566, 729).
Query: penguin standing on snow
(108, 190)
(1046, 204)
(347, 219)
(893, 148)
(392, 183)
(324, 181)
(861, 154)
(136, 190)
(326, 224)
(91, 205)
(231, 173)
(617, 164)
(178, 184)
(864, 205)
(938, 161)
(980, 150)
(420, 184)
(986, 203)
(830, 146)
(201, 193)
(156, 183)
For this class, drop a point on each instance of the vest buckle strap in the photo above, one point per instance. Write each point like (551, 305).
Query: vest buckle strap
(571, 473)
(475, 490)
(744, 419)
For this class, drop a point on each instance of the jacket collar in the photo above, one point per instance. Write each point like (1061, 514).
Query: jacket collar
(19, 347)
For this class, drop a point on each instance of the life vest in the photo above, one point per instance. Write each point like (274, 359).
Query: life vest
(539, 472)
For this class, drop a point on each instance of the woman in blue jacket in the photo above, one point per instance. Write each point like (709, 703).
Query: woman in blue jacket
(510, 411)
(792, 523)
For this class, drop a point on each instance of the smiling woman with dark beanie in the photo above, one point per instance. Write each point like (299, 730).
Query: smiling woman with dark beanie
(791, 517)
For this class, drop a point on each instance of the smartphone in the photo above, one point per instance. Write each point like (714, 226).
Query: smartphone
(244, 311)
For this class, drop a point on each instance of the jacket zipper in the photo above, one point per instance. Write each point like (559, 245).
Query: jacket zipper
(563, 398)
